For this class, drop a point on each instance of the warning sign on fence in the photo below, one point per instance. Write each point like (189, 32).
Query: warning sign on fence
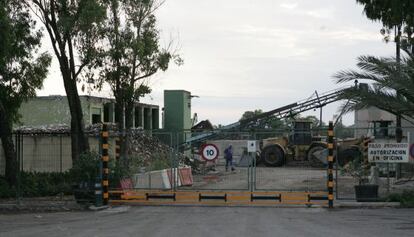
(388, 152)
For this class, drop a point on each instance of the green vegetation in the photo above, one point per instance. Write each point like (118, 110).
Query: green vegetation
(397, 17)
(358, 169)
(387, 77)
(133, 53)
(74, 28)
(86, 168)
(36, 184)
(22, 71)
(406, 198)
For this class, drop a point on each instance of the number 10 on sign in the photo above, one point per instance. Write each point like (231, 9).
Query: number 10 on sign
(209, 152)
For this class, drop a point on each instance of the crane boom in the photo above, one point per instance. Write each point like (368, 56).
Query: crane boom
(315, 101)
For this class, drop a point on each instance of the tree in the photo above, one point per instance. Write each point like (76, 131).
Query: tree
(270, 122)
(250, 114)
(397, 15)
(134, 53)
(21, 72)
(74, 28)
(387, 76)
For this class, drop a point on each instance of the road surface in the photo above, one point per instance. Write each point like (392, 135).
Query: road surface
(212, 221)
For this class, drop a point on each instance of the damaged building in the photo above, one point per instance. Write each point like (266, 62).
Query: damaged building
(54, 109)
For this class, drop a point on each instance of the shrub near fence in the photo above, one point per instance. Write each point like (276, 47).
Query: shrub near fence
(35, 184)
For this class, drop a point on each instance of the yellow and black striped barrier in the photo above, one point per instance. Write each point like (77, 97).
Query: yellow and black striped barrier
(105, 161)
(230, 198)
(365, 144)
(330, 164)
(117, 148)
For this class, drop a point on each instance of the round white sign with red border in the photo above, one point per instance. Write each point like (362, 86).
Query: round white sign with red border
(209, 152)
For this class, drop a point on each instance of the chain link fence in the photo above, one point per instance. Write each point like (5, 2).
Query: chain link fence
(285, 160)
(389, 176)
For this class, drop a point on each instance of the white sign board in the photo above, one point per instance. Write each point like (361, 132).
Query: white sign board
(251, 146)
(388, 152)
(209, 152)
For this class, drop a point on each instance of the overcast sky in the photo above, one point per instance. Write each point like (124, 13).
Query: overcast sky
(243, 54)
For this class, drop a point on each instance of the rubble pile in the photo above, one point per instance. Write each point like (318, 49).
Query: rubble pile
(142, 146)
(150, 149)
(92, 130)
(54, 128)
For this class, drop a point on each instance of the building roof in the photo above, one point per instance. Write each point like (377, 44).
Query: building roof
(89, 97)
(203, 125)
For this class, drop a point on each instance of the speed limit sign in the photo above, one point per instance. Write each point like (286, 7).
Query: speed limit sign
(209, 152)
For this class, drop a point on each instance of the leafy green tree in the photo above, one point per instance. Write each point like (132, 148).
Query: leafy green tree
(134, 53)
(74, 28)
(387, 76)
(397, 15)
(132, 56)
(22, 71)
(269, 122)
(251, 114)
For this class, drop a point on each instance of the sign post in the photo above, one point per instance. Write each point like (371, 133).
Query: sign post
(251, 146)
(209, 152)
(251, 150)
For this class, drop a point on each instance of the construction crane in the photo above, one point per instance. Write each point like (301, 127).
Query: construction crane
(313, 102)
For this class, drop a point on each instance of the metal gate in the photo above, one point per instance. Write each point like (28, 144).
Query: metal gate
(174, 174)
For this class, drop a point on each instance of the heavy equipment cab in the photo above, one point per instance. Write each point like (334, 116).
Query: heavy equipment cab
(298, 145)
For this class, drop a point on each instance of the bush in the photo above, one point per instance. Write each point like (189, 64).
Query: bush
(86, 168)
(36, 184)
(406, 198)
(5, 190)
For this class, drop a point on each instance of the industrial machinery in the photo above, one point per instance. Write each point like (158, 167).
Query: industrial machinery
(300, 145)
(304, 146)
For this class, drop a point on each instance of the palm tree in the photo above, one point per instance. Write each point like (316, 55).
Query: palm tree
(392, 87)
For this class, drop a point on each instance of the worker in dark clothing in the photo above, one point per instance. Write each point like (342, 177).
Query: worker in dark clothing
(228, 155)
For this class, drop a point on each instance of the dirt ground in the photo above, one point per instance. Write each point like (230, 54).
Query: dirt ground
(301, 178)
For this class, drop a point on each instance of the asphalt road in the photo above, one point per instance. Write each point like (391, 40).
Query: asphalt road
(212, 221)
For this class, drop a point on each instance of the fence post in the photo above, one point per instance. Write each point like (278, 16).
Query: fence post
(117, 148)
(330, 164)
(19, 165)
(105, 160)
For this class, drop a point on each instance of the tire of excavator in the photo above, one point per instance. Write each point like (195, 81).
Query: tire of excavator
(273, 155)
(313, 161)
(347, 155)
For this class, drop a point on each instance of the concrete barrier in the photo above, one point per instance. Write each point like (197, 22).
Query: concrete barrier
(157, 179)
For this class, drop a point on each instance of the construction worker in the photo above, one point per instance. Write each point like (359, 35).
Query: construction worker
(228, 155)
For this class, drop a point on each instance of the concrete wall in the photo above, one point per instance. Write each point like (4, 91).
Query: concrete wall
(239, 146)
(50, 153)
(45, 110)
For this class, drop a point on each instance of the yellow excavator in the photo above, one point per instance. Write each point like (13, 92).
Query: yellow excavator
(304, 146)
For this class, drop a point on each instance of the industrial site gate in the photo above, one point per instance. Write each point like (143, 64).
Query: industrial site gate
(172, 175)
